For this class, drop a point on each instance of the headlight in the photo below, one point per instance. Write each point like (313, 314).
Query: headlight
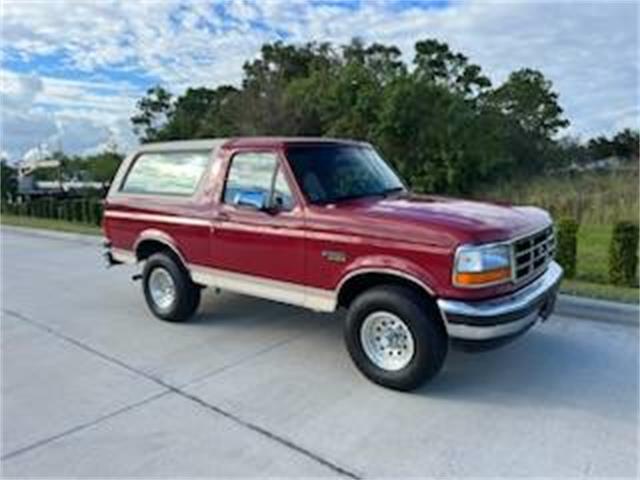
(479, 266)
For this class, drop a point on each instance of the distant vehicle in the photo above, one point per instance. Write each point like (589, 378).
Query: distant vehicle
(325, 224)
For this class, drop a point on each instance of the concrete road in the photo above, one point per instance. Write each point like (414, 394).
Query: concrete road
(93, 385)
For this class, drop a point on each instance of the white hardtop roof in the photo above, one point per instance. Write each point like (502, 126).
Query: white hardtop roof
(181, 145)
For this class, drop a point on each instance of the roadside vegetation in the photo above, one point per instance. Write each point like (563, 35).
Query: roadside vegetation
(49, 224)
(438, 119)
(596, 201)
(591, 198)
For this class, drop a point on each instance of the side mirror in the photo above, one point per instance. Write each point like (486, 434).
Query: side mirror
(256, 200)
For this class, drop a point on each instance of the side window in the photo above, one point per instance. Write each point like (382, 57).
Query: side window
(282, 196)
(166, 173)
(251, 177)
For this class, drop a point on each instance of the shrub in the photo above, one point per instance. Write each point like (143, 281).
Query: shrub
(97, 212)
(623, 254)
(77, 211)
(566, 249)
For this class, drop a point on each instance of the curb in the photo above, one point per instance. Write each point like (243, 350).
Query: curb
(566, 305)
(598, 310)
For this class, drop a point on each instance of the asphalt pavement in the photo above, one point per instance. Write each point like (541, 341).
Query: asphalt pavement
(93, 385)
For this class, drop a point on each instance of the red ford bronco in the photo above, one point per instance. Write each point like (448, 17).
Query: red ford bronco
(325, 224)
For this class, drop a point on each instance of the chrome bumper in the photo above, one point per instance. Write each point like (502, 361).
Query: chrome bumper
(503, 316)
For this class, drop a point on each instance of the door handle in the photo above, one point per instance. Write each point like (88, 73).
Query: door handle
(223, 217)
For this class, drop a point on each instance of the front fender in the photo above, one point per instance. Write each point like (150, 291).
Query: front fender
(392, 266)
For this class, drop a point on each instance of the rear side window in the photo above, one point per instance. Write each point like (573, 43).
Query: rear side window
(166, 173)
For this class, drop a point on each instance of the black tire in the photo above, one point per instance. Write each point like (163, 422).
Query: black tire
(187, 294)
(430, 341)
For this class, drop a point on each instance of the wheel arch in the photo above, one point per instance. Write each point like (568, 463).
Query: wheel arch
(362, 279)
(152, 241)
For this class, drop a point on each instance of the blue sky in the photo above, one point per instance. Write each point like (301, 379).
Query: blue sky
(72, 71)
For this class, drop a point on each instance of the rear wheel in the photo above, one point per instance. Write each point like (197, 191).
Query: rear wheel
(395, 337)
(168, 289)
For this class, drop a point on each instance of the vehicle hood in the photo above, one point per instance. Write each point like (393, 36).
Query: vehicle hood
(452, 219)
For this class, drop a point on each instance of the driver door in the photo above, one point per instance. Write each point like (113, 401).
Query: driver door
(258, 231)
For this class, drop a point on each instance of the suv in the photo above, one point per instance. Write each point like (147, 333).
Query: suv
(325, 224)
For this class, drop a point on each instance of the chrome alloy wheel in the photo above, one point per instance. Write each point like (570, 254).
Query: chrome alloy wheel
(162, 288)
(387, 341)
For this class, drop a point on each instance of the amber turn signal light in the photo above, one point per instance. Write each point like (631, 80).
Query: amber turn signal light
(481, 278)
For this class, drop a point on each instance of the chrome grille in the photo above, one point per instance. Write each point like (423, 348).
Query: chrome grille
(533, 253)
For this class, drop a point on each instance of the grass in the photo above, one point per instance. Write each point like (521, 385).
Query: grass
(591, 198)
(593, 253)
(49, 224)
(592, 269)
(600, 291)
(597, 200)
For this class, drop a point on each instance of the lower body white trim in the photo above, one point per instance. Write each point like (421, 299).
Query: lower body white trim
(123, 256)
(316, 299)
(292, 293)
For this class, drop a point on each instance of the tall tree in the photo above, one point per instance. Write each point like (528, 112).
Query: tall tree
(154, 109)
(103, 166)
(9, 179)
(528, 98)
(436, 63)
(440, 123)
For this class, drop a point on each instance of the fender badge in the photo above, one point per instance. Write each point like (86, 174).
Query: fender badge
(334, 256)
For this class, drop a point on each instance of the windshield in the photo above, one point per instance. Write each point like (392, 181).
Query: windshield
(330, 173)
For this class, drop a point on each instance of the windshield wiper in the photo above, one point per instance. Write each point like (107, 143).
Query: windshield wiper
(384, 193)
(389, 191)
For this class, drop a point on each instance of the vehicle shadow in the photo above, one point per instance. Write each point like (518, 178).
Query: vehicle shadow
(242, 311)
(551, 366)
(562, 363)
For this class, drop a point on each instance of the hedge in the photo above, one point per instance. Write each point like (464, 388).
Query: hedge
(566, 249)
(81, 210)
(623, 254)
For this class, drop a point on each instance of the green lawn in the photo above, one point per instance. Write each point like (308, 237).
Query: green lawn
(592, 275)
(49, 224)
(598, 290)
(593, 253)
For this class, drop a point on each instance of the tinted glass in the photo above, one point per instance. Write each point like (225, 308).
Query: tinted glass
(338, 172)
(166, 173)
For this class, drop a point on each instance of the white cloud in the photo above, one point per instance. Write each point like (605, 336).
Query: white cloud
(588, 49)
(55, 112)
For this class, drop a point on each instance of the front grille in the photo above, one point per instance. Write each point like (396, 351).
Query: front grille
(533, 253)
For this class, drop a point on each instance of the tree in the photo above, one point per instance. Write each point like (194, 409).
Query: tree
(626, 144)
(527, 98)
(154, 109)
(280, 63)
(438, 140)
(436, 63)
(384, 62)
(270, 100)
(9, 179)
(441, 123)
(102, 167)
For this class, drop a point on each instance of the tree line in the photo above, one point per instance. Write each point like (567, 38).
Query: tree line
(439, 120)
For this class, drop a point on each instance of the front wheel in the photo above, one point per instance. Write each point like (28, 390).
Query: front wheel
(395, 337)
(168, 289)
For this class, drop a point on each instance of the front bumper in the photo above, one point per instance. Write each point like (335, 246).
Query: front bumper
(502, 317)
